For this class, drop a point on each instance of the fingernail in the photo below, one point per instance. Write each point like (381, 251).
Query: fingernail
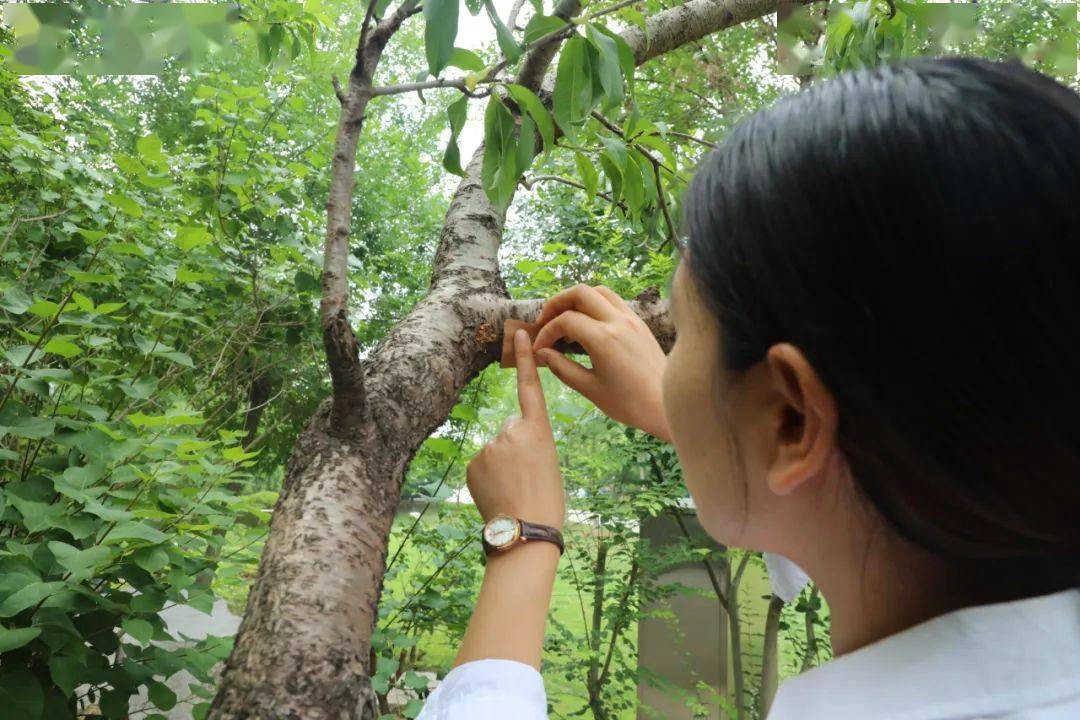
(521, 334)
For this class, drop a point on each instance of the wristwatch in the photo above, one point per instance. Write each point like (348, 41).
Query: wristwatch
(503, 532)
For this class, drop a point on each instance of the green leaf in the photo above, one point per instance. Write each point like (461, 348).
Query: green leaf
(139, 629)
(13, 639)
(541, 25)
(624, 52)
(150, 150)
(413, 708)
(77, 481)
(80, 563)
(608, 68)
(440, 31)
(185, 276)
(526, 147)
(656, 142)
(126, 204)
(85, 304)
(178, 357)
(415, 681)
(63, 347)
(22, 355)
(15, 301)
(633, 185)
(66, 670)
(466, 60)
(531, 104)
(162, 696)
(500, 156)
(27, 597)
(507, 44)
(587, 172)
(464, 412)
(135, 531)
(189, 238)
(613, 170)
(572, 99)
(20, 694)
(37, 516)
(637, 18)
(91, 278)
(92, 235)
(202, 600)
(457, 113)
(32, 428)
(150, 559)
(442, 445)
(44, 309)
(104, 512)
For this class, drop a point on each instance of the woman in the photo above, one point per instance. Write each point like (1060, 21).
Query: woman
(877, 375)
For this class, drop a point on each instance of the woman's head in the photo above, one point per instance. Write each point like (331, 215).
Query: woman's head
(882, 287)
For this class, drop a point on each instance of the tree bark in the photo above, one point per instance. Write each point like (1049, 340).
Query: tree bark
(735, 625)
(770, 657)
(593, 680)
(302, 650)
(810, 658)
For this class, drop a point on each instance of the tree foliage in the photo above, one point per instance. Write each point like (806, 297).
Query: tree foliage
(160, 263)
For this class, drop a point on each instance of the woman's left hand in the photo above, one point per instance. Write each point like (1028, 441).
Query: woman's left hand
(517, 473)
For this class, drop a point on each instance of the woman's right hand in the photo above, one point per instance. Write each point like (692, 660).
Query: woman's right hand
(627, 362)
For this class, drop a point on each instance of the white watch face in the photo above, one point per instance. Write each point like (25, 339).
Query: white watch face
(500, 531)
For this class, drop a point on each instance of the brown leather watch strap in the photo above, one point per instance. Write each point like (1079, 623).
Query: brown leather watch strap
(534, 531)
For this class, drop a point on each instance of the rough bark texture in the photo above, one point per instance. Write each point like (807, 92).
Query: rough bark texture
(691, 21)
(303, 647)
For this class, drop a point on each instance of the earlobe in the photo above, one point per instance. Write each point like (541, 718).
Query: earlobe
(805, 428)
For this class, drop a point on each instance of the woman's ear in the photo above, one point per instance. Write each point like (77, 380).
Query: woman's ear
(805, 420)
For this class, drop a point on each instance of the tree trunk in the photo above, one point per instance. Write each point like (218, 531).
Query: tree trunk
(770, 657)
(258, 397)
(302, 650)
(736, 636)
(593, 680)
(723, 629)
(810, 658)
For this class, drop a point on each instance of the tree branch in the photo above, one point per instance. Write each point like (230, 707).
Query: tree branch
(529, 183)
(342, 353)
(690, 21)
(458, 83)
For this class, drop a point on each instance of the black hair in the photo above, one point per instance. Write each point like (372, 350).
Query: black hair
(915, 230)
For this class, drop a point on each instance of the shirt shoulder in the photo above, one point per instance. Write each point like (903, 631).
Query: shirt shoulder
(1017, 660)
(1065, 709)
(488, 689)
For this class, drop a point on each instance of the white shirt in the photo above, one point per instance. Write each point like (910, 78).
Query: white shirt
(1016, 660)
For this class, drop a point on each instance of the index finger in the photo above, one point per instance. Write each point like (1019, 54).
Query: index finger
(530, 393)
(582, 298)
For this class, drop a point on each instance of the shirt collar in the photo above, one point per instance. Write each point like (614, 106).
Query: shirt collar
(981, 660)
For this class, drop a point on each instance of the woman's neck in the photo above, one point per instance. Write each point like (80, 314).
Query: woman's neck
(877, 585)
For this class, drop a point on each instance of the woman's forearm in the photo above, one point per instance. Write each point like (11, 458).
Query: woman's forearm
(510, 617)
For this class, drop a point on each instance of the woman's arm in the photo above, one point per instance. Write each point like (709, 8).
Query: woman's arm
(517, 474)
(511, 613)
